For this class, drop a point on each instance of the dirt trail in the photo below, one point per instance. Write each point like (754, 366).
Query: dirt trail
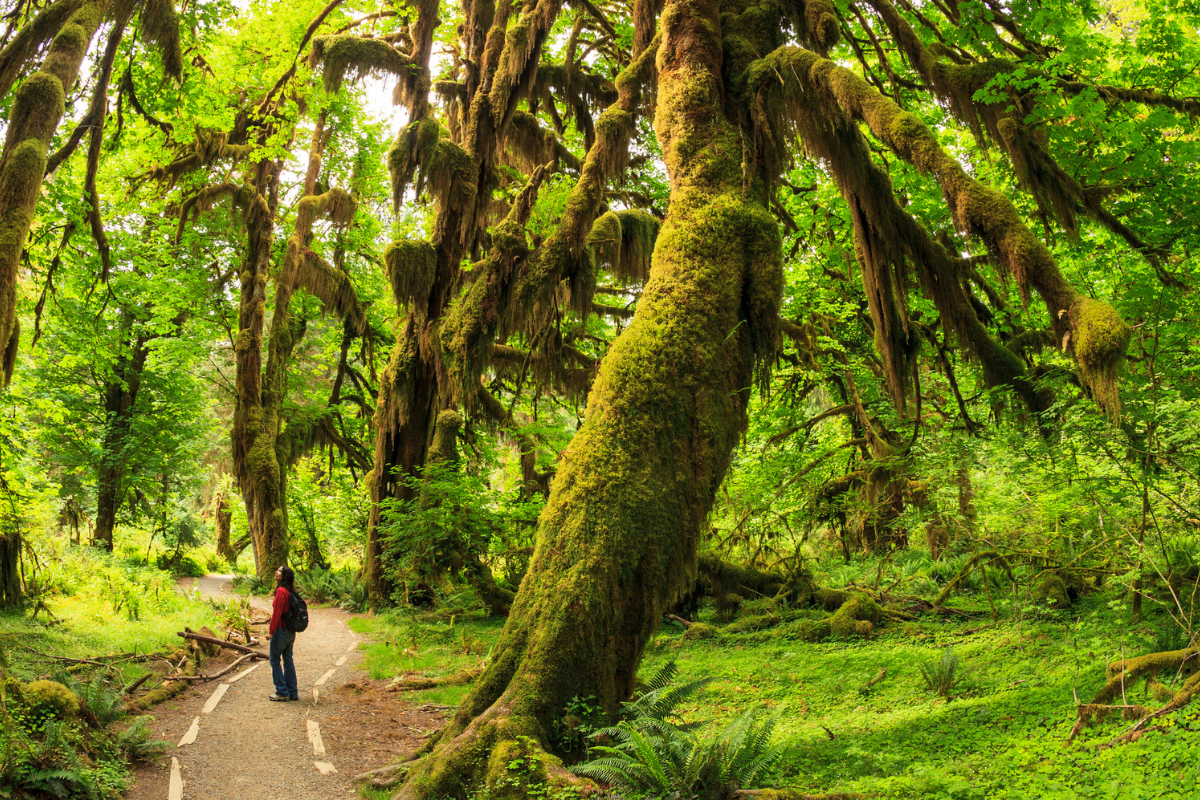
(253, 749)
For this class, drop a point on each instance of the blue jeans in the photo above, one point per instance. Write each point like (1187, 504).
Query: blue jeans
(283, 674)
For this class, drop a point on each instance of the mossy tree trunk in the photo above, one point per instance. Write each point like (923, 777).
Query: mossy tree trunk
(263, 448)
(223, 517)
(253, 460)
(617, 541)
(36, 112)
(120, 395)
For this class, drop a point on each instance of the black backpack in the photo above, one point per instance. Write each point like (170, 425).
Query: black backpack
(295, 619)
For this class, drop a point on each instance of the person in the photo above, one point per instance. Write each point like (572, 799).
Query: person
(283, 671)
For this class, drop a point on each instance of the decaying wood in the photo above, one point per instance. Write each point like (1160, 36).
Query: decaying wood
(187, 633)
(416, 684)
(216, 675)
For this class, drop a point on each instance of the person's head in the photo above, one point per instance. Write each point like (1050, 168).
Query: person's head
(284, 576)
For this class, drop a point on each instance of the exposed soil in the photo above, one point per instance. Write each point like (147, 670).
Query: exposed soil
(253, 749)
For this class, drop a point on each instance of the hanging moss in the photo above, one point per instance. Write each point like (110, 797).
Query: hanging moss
(411, 266)
(160, 24)
(348, 56)
(1100, 339)
(976, 209)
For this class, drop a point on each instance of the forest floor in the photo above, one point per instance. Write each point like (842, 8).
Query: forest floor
(254, 749)
(856, 716)
(853, 715)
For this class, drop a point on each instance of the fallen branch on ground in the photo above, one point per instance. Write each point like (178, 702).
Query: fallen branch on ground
(187, 633)
(416, 684)
(213, 677)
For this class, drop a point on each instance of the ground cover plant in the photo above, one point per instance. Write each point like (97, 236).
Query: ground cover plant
(569, 338)
(102, 628)
(857, 717)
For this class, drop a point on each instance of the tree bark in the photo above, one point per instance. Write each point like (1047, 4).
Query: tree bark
(37, 109)
(223, 517)
(120, 395)
(617, 541)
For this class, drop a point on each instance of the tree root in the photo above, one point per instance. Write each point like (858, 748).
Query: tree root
(417, 684)
(499, 749)
(1124, 674)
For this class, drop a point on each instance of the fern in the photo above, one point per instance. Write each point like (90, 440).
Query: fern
(652, 754)
(135, 743)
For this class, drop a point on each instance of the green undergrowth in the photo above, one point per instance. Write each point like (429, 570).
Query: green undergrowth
(998, 729)
(1000, 732)
(402, 643)
(91, 605)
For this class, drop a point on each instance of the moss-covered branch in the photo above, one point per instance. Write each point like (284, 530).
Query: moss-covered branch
(36, 112)
(345, 56)
(1090, 329)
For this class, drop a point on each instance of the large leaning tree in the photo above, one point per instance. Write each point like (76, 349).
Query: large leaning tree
(736, 91)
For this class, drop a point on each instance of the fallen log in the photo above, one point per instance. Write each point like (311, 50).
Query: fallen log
(188, 633)
(416, 684)
(163, 691)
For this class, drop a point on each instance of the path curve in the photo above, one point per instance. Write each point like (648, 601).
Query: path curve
(235, 743)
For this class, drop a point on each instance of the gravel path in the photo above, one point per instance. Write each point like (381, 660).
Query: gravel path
(249, 748)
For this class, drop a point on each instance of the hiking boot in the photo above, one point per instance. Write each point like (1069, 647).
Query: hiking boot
(279, 698)
(293, 698)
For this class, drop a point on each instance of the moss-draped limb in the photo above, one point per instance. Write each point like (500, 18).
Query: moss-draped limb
(490, 301)
(160, 25)
(37, 109)
(30, 38)
(956, 82)
(346, 55)
(975, 208)
(1125, 673)
(890, 244)
(617, 540)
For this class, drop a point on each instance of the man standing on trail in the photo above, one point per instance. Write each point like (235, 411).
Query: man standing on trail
(282, 639)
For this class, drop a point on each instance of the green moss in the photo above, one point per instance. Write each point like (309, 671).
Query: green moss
(346, 55)
(1051, 591)
(699, 630)
(50, 697)
(829, 599)
(856, 617)
(411, 266)
(1099, 338)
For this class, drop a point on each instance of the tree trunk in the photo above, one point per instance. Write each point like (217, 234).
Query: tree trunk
(11, 592)
(223, 516)
(253, 433)
(263, 457)
(618, 538)
(120, 394)
(37, 109)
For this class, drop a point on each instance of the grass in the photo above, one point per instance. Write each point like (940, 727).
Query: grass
(400, 643)
(1001, 735)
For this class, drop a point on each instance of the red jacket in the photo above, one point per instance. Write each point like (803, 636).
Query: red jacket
(283, 602)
